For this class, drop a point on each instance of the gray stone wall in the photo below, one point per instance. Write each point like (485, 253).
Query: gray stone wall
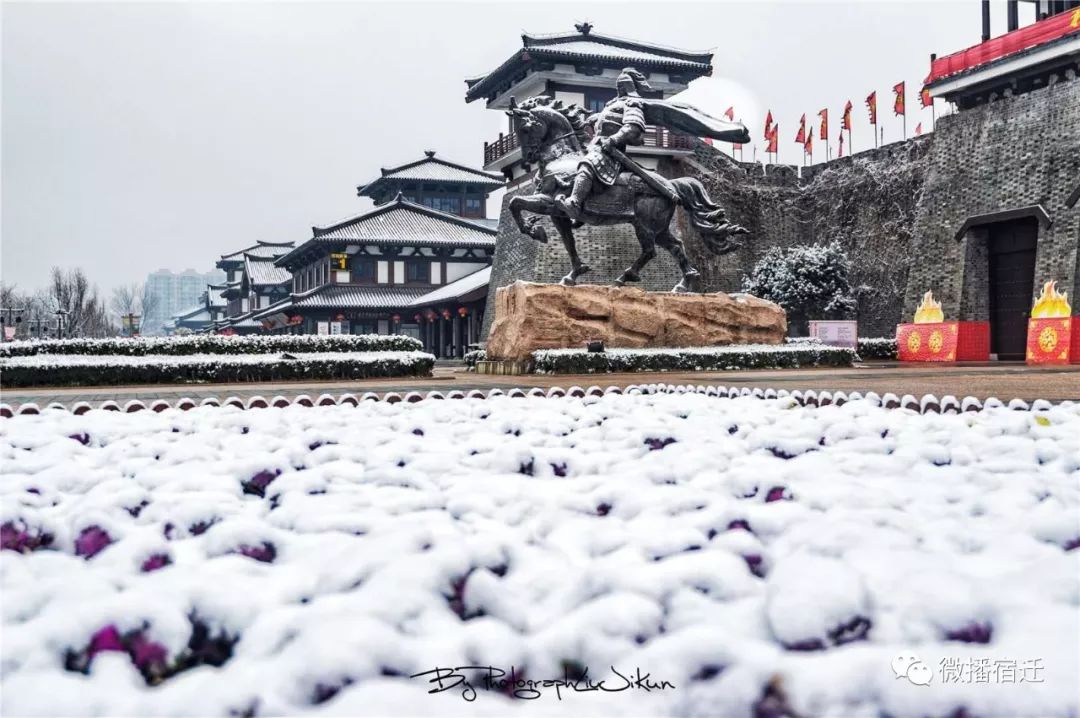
(1010, 153)
(867, 203)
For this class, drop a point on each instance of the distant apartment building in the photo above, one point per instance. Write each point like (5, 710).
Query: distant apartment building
(174, 292)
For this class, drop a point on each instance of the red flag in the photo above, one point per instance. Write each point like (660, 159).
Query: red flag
(871, 104)
(918, 129)
(824, 115)
(801, 137)
(845, 122)
(925, 97)
(730, 113)
(771, 147)
(841, 152)
(768, 123)
(898, 103)
(808, 146)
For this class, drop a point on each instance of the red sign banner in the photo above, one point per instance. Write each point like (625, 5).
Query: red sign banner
(943, 341)
(1053, 341)
(996, 48)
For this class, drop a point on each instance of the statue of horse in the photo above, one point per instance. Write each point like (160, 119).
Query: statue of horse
(552, 136)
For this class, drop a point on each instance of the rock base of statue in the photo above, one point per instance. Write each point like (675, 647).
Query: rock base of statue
(532, 316)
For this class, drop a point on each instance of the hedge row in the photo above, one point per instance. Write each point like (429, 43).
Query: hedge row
(53, 370)
(751, 356)
(878, 348)
(214, 344)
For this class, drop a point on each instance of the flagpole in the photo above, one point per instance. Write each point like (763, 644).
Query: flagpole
(904, 117)
(850, 146)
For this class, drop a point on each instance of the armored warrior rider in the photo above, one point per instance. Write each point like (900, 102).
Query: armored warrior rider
(620, 123)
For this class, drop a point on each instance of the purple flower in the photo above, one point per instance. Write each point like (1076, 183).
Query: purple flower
(265, 553)
(19, 538)
(106, 639)
(257, 484)
(658, 444)
(776, 493)
(973, 632)
(147, 655)
(158, 560)
(755, 564)
(83, 438)
(739, 524)
(91, 542)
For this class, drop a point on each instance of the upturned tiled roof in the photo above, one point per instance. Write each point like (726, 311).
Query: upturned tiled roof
(431, 169)
(586, 46)
(357, 297)
(402, 223)
(263, 271)
(458, 288)
(260, 249)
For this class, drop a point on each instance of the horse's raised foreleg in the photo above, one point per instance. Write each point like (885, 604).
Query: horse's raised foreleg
(538, 204)
(566, 231)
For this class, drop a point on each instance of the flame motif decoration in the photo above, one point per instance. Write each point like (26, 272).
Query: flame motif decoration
(1051, 303)
(929, 311)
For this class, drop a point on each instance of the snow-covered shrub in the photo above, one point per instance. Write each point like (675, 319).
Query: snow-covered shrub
(474, 356)
(747, 356)
(877, 347)
(215, 344)
(809, 282)
(75, 370)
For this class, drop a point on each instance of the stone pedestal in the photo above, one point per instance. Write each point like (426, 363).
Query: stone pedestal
(549, 316)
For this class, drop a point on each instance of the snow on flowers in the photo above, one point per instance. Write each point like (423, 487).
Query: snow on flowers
(757, 554)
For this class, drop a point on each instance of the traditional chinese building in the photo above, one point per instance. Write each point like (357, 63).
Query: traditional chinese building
(417, 264)
(252, 282)
(580, 67)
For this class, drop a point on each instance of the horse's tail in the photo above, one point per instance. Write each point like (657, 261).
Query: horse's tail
(707, 216)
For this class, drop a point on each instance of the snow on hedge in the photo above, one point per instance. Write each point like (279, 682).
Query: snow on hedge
(877, 347)
(763, 558)
(742, 356)
(213, 344)
(89, 370)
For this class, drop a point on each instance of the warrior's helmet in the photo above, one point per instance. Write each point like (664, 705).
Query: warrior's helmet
(631, 77)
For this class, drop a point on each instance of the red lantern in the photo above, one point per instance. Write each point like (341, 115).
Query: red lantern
(417, 318)
(396, 319)
(462, 311)
(430, 315)
(446, 314)
(339, 318)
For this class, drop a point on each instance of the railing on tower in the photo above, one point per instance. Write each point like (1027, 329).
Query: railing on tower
(655, 137)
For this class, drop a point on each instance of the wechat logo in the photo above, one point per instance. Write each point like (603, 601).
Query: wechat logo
(908, 665)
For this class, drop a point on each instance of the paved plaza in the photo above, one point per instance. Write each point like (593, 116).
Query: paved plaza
(1004, 380)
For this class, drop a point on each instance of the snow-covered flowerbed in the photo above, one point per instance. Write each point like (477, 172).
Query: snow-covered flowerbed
(758, 556)
(92, 370)
(744, 356)
(213, 344)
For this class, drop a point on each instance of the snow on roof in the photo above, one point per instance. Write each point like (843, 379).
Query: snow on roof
(457, 288)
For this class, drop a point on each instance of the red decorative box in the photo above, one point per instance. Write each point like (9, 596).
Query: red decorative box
(943, 341)
(1053, 341)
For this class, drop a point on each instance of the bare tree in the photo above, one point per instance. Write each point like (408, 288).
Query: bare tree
(125, 299)
(75, 305)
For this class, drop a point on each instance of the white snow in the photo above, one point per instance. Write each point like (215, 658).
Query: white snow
(718, 544)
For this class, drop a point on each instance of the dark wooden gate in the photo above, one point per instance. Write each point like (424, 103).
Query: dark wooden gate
(1012, 281)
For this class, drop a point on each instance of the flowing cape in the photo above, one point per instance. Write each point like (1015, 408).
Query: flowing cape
(689, 119)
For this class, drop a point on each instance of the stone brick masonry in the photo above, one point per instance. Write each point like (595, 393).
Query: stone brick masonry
(1010, 153)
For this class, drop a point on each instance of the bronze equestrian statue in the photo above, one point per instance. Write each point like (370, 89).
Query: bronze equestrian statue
(583, 175)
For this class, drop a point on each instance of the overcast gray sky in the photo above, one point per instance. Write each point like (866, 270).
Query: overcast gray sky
(138, 136)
